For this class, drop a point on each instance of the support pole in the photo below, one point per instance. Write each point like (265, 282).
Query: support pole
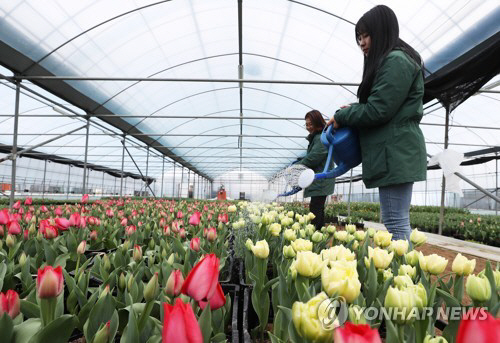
(102, 184)
(69, 178)
(496, 185)
(162, 174)
(43, 182)
(123, 162)
(189, 180)
(14, 144)
(173, 184)
(84, 190)
(147, 168)
(443, 181)
(349, 197)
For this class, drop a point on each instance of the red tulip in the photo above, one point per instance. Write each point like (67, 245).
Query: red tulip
(14, 227)
(58, 211)
(26, 234)
(50, 232)
(201, 282)
(216, 301)
(223, 218)
(180, 324)
(93, 235)
(180, 215)
(17, 205)
(10, 304)
(85, 198)
(28, 201)
(62, 223)
(212, 234)
(174, 283)
(4, 216)
(356, 333)
(110, 213)
(195, 218)
(49, 282)
(478, 326)
(74, 219)
(43, 209)
(195, 244)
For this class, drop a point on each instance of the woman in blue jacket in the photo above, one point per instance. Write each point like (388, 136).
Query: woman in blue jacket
(387, 117)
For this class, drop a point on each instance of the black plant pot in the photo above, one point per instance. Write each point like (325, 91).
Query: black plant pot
(226, 274)
(234, 292)
(242, 275)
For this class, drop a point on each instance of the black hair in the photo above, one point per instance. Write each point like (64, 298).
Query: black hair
(317, 120)
(381, 24)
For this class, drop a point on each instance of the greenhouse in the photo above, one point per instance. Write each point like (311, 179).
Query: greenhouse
(249, 171)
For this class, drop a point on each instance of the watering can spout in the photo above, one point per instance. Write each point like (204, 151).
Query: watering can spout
(343, 146)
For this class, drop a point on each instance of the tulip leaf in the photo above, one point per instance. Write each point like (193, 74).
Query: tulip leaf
(84, 312)
(458, 288)
(491, 278)
(102, 311)
(3, 270)
(293, 334)
(205, 322)
(29, 309)
(444, 286)
(286, 311)
(50, 253)
(57, 331)
(178, 247)
(154, 339)
(274, 339)
(220, 337)
(392, 332)
(27, 329)
(372, 284)
(131, 332)
(6, 328)
(448, 299)
(450, 331)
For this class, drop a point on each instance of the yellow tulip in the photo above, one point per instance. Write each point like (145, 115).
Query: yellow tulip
(289, 235)
(341, 280)
(360, 235)
(433, 264)
(439, 339)
(261, 249)
(382, 238)
(288, 251)
(400, 247)
(406, 269)
(412, 258)
(308, 319)
(478, 288)
(302, 245)
(351, 228)
(462, 266)
(381, 258)
(309, 264)
(338, 252)
(402, 302)
(275, 229)
(418, 238)
(402, 281)
(340, 236)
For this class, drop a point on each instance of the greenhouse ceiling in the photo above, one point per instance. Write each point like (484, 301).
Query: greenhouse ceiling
(165, 75)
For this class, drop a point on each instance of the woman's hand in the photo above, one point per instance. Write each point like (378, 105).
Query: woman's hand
(333, 122)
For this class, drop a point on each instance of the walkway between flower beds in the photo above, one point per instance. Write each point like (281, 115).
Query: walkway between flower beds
(464, 247)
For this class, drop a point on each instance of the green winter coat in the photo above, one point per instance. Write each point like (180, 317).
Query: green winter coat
(316, 159)
(392, 144)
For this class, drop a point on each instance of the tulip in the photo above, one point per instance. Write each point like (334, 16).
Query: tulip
(302, 245)
(14, 227)
(180, 324)
(290, 235)
(340, 236)
(382, 238)
(249, 244)
(359, 235)
(288, 251)
(338, 252)
(43, 209)
(309, 319)
(387, 274)
(10, 304)
(137, 255)
(216, 301)
(400, 247)
(50, 232)
(402, 281)
(74, 219)
(331, 229)
(22, 260)
(317, 237)
(58, 211)
(420, 295)
(85, 199)
(352, 333)
(412, 258)
(202, 280)
(433, 264)
(17, 205)
(481, 328)
(261, 249)
(406, 269)
(418, 238)
(341, 280)
(310, 229)
(275, 229)
(195, 244)
(462, 266)
(10, 240)
(212, 234)
(174, 283)
(402, 302)
(478, 288)
(49, 282)
(151, 289)
(231, 209)
(429, 339)
(93, 235)
(81, 248)
(350, 228)
(381, 258)
(309, 264)
(103, 335)
(195, 219)
(28, 201)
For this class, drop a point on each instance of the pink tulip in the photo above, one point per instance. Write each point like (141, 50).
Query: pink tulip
(14, 227)
(180, 215)
(26, 234)
(110, 213)
(201, 282)
(223, 218)
(10, 304)
(93, 235)
(216, 301)
(195, 219)
(356, 333)
(85, 198)
(62, 223)
(4, 216)
(28, 201)
(479, 327)
(43, 209)
(58, 211)
(124, 222)
(182, 233)
(180, 324)
(49, 282)
(211, 234)
(174, 283)
(195, 244)
(74, 219)
(166, 230)
(17, 205)
(50, 232)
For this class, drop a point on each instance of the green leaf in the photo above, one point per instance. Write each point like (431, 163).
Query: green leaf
(392, 332)
(372, 284)
(57, 331)
(29, 309)
(274, 339)
(205, 322)
(448, 299)
(6, 328)
(3, 270)
(27, 329)
(219, 338)
(131, 333)
(100, 313)
(286, 311)
(50, 253)
(491, 278)
(458, 288)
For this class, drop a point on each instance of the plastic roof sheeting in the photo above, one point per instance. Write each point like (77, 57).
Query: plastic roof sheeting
(281, 40)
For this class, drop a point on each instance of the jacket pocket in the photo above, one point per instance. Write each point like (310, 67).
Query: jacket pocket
(377, 163)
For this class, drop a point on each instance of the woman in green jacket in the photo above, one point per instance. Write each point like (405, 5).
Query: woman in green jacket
(315, 159)
(387, 117)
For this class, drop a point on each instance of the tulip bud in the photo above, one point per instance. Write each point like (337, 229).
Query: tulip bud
(317, 237)
(171, 259)
(151, 244)
(402, 281)
(288, 251)
(103, 335)
(382, 238)
(478, 288)
(122, 282)
(10, 304)
(439, 339)
(412, 258)
(137, 253)
(211, 235)
(331, 229)
(10, 240)
(261, 249)
(406, 269)
(371, 232)
(387, 274)
(462, 266)
(130, 282)
(106, 290)
(249, 244)
(49, 282)
(106, 262)
(350, 228)
(360, 235)
(22, 259)
(151, 289)
(174, 283)
(81, 248)
(418, 238)
(93, 235)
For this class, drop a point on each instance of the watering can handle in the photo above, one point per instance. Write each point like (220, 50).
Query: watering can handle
(327, 140)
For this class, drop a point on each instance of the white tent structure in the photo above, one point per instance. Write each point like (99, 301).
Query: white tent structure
(163, 96)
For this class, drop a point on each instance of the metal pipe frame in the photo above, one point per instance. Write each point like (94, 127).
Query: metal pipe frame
(162, 175)
(138, 169)
(123, 163)
(14, 145)
(85, 158)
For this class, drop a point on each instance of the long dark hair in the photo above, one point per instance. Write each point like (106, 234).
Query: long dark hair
(381, 24)
(316, 119)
